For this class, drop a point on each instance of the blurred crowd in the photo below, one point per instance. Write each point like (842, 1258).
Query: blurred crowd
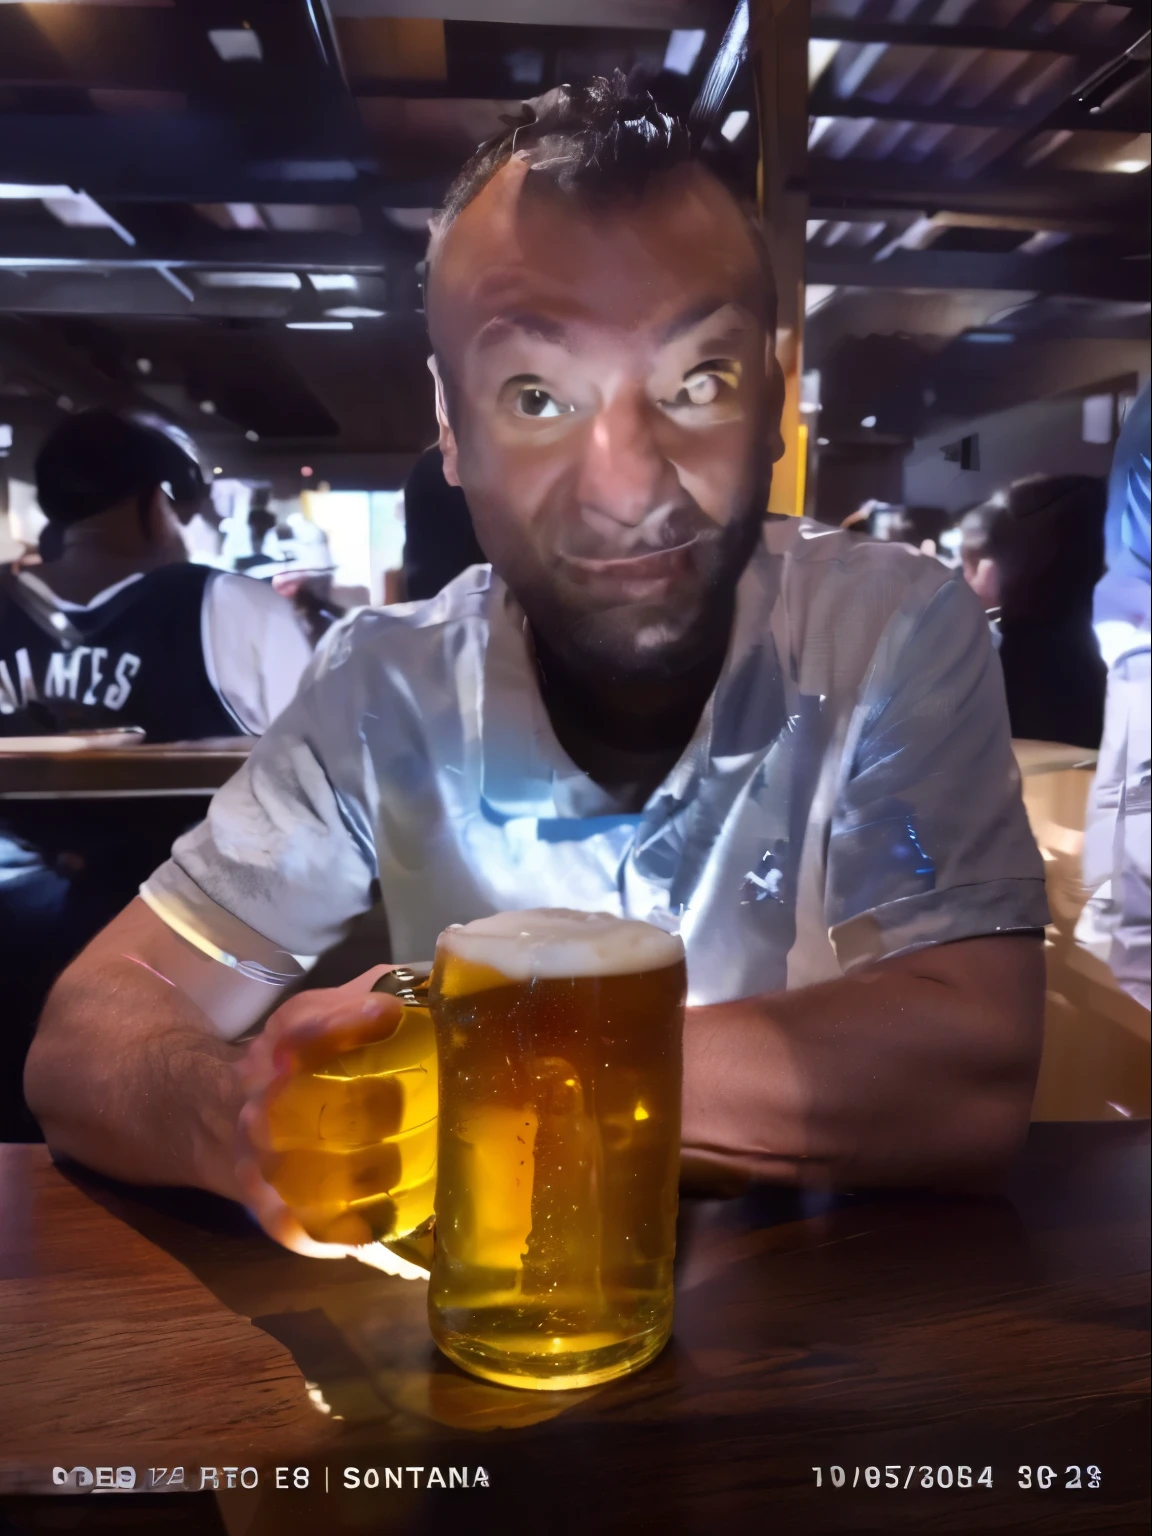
(1060, 564)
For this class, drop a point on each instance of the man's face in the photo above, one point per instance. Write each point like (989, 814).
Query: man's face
(609, 405)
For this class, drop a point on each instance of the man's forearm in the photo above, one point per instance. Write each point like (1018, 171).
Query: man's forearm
(891, 1075)
(153, 1101)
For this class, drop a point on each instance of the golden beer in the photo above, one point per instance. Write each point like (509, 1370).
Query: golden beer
(352, 1139)
(559, 1041)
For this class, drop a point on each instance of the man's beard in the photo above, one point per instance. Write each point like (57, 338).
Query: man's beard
(634, 642)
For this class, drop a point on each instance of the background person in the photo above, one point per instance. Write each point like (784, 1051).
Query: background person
(1117, 919)
(1037, 559)
(439, 540)
(115, 628)
(658, 702)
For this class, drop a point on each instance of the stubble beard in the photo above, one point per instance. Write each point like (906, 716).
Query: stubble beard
(638, 644)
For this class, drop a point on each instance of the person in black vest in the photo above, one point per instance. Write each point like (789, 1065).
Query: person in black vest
(115, 628)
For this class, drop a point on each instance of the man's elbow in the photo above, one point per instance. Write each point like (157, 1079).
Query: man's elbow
(55, 1067)
(988, 1118)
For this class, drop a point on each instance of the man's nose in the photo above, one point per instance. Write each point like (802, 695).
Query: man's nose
(624, 474)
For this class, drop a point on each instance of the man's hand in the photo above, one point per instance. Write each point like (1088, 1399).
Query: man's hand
(303, 1034)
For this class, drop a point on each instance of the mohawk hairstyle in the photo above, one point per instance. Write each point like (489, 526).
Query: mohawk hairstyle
(594, 138)
(599, 140)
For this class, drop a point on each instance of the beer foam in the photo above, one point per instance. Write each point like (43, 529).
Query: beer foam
(555, 942)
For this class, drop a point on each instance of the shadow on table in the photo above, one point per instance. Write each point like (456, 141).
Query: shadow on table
(359, 1338)
(764, 1281)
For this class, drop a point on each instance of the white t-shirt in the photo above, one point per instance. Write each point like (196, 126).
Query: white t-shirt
(254, 647)
(850, 791)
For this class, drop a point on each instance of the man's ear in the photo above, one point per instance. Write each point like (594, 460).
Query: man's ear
(158, 516)
(775, 376)
(447, 436)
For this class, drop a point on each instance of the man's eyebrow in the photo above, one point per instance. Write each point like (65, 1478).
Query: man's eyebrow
(705, 310)
(524, 322)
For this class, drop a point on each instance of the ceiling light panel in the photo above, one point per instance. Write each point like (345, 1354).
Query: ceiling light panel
(288, 280)
(682, 51)
(236, 45)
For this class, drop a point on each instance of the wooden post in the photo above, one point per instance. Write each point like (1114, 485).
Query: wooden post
(779, 40)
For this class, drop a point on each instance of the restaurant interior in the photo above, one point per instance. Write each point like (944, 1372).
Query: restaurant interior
(214, 215)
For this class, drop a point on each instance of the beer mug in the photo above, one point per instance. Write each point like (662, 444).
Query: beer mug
(559, 1037)
(352, 1139)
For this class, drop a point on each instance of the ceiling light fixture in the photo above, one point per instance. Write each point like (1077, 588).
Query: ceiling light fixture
(1130, 167)
(249, 280)
(683, 50)
(306, 471)
(355, 312)
(208, 407)
(236, 45)
(73, 208)
(253, 437)
(821, 52)
(144, 364)
(816, 295)
(868, 421)
(734, 125)
(319, 325)
(218, 470)
(330, 282)
(821, 442)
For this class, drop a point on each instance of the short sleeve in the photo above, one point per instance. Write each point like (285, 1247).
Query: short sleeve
(287, 847)
(254, 648)
(930, 842)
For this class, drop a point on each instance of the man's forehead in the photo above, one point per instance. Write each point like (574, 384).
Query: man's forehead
(524, 247)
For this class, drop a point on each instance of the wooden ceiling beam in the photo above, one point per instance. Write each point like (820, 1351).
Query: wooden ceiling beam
(1068, 276)
(1010, 39)
(1128, 116)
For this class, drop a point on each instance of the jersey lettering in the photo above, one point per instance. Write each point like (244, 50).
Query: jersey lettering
(99, 656)
(78, 674)
(63, 674)
(126, 669)
(9, 703)
(28, 687)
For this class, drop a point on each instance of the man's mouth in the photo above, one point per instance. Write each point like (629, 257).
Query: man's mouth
(641, 561)
(643, 574)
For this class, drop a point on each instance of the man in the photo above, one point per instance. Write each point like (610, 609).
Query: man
(1116, 923)
(1035, 560)
(792, 743)
(115, 628)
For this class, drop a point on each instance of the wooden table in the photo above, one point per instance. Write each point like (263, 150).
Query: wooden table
(892, 1331)
(138, 772)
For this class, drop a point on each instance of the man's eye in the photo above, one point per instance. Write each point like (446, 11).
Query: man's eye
(707, 385)
(535, 402)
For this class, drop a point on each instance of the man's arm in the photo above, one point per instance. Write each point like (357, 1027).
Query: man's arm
(915, 1070)
(128, 1072)
(131, 1071)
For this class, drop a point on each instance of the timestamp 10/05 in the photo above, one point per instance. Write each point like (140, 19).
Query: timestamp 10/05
(905, 1477)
